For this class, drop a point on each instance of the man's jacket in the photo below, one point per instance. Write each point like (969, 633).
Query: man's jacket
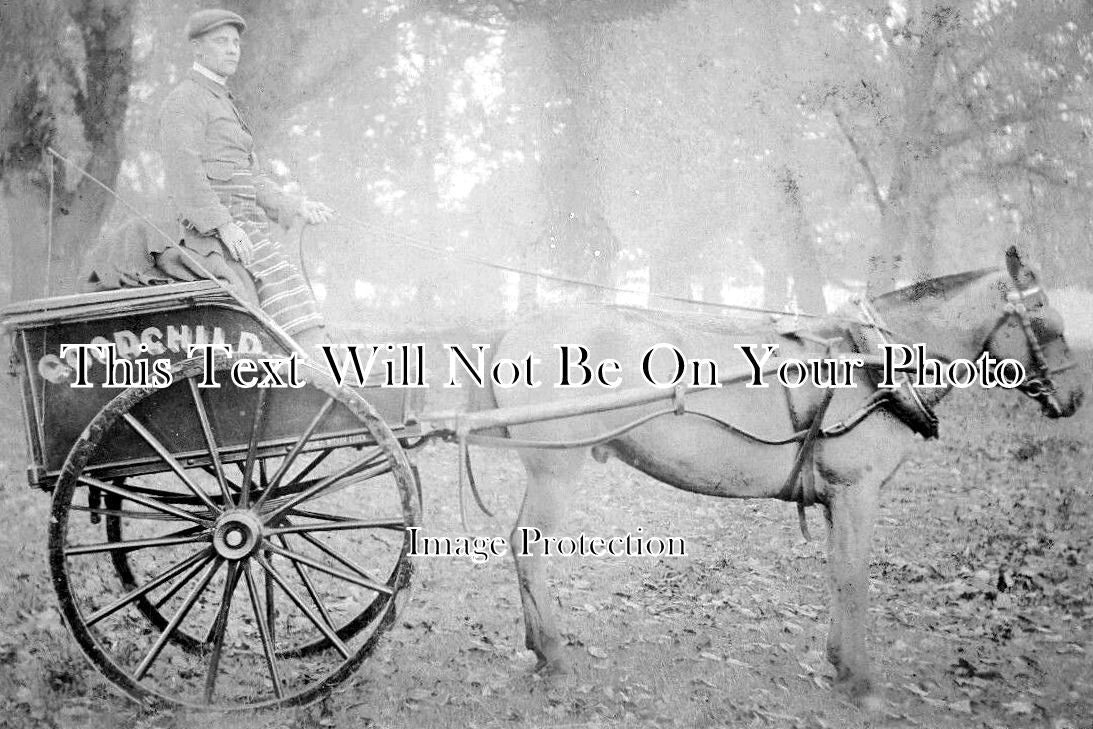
(205, 142)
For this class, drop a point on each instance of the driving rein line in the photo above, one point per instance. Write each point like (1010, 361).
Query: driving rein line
(902, 402)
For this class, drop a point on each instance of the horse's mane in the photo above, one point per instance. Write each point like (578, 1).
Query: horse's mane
(934, 288)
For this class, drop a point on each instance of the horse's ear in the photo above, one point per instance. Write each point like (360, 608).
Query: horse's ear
(1013, 262)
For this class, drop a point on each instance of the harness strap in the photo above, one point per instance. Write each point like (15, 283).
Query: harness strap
(800, 484)
(803, 489)
(466, 475)
(904, 401)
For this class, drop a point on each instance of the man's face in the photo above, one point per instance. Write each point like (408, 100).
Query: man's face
(218, 50)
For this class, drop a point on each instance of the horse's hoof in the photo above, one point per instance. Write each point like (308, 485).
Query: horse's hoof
(861, 693)
(552, 667)
(871, 703)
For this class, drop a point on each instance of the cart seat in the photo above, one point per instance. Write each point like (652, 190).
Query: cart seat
(105, 304)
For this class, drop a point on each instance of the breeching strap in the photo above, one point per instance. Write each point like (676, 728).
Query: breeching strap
(801, 486)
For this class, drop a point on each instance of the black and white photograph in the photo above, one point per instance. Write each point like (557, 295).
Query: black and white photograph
(576, 364)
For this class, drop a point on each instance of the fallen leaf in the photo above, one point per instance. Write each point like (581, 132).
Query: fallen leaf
(1018, 707)
(964, 706)
(916, 690)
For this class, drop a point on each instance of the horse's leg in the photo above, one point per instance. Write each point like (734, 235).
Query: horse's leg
(549, 474)
(850, 513)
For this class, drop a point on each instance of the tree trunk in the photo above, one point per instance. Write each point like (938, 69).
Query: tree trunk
(671, 276)
(527, 292)
(908, 216)
(47, 258)
(800, 246)
(775, 272)
(48, 244)
(432, 285)
(808, 281)
(27, 215)
(579, 239)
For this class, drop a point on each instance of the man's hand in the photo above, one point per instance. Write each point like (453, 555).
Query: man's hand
(238, 243)
(314, 212)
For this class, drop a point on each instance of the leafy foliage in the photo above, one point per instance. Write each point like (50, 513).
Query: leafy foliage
(645, 143)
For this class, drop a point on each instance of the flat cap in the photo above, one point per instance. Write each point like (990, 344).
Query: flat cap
(203, 21)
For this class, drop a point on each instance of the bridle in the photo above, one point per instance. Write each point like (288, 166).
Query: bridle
(1037, 383)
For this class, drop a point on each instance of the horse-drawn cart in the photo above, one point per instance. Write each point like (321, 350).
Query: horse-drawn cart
(237, 545)
(223, 546)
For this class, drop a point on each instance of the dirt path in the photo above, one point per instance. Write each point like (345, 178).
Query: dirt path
(982, 602)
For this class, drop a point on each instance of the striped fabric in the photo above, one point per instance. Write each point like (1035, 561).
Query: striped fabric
(282, 291)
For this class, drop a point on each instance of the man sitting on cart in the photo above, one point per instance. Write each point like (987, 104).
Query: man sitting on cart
(224, 202)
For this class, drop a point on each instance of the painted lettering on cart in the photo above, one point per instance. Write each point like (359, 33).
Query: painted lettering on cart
(154, 341)
(62, 368)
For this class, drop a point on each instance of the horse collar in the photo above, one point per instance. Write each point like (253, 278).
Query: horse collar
(904, 401)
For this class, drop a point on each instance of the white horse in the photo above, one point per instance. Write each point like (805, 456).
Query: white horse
(999, 311)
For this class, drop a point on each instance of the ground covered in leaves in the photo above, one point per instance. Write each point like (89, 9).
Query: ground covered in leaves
(982, 602)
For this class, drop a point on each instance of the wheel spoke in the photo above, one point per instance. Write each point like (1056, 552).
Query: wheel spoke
(329, 551)
(171, 600)
(271, 612)
(319, 458)
(196, 561)
(210, 441)
(353, 469)
(143, 500)
(257, 426)
(374, 456)
(396, 523)
(310, 587)
(299, 483)
(173, 590)
(263, 629)
(315, 564)
(296, 450)
(166, 497)
(131, 545)
(219, 628)
(183, 611)
(122, 513)
(170, 460)
(316, 621)
(319, 515)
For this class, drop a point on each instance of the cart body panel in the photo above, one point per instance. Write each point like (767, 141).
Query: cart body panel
(160, 322)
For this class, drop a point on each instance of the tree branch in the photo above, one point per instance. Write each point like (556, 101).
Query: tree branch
(1052, 175)
(863, 160)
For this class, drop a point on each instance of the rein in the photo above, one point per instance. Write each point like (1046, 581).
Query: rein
(447, 252)
(280, 334)
(911, 409)
(903, 402)
(1039, 386)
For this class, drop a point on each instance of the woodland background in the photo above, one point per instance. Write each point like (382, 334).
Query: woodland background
(747, 151)
(757, 152)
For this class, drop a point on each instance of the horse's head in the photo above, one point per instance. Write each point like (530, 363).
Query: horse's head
(1031, 332)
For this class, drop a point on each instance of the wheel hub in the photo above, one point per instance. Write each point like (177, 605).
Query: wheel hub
(237, 534)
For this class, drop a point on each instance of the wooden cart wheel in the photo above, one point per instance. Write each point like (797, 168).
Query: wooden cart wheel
(259, 569)
(179, 637)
